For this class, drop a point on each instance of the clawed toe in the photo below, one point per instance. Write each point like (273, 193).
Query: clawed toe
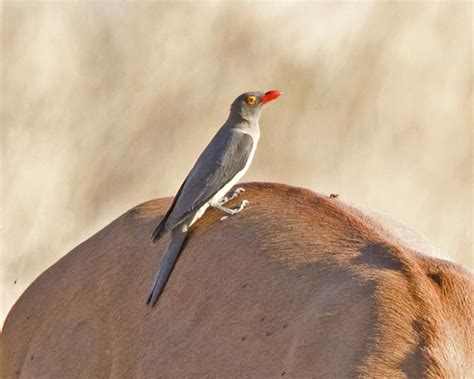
(235, 193)
(244, 203)
(224, 200)
(241, 206)
(233, 211)
(239, 190)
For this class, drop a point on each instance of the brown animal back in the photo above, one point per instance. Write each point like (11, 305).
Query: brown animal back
(295, 285)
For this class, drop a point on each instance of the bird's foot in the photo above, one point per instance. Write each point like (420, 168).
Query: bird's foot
(233, 211)
(231, 196)
(237, 192)
(240, 207)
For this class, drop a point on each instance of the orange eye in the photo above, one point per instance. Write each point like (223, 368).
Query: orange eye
(251, 100)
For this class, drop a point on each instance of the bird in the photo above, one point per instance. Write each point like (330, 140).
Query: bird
(219, 167)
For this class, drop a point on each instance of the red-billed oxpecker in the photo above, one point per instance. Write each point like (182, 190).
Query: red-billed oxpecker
(220, 166)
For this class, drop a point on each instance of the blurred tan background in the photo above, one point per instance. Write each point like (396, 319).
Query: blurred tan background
(106, 105)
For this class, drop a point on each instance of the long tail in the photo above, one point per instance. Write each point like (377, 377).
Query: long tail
(159, 231)
(178, 236)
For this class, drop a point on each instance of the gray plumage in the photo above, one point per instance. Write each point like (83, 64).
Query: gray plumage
(218, 168)
(178, 236)
(223, 158)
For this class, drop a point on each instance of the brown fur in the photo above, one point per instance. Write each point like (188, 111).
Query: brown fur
(297, 285)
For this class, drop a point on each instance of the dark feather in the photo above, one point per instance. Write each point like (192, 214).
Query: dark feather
(224, 157)
(178, 236)
(161, 229)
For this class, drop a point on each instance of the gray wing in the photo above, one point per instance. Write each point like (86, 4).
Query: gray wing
(224, 157)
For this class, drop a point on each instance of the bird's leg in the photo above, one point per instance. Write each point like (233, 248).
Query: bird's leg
(231, 211)
(236, 192)
(232, 196)
(240, 207)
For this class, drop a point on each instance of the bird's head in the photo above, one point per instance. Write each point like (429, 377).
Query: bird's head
(248, 106)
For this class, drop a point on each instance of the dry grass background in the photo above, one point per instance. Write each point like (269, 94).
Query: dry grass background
(107, 105)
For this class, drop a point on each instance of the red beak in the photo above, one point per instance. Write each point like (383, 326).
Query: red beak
(270, 95)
